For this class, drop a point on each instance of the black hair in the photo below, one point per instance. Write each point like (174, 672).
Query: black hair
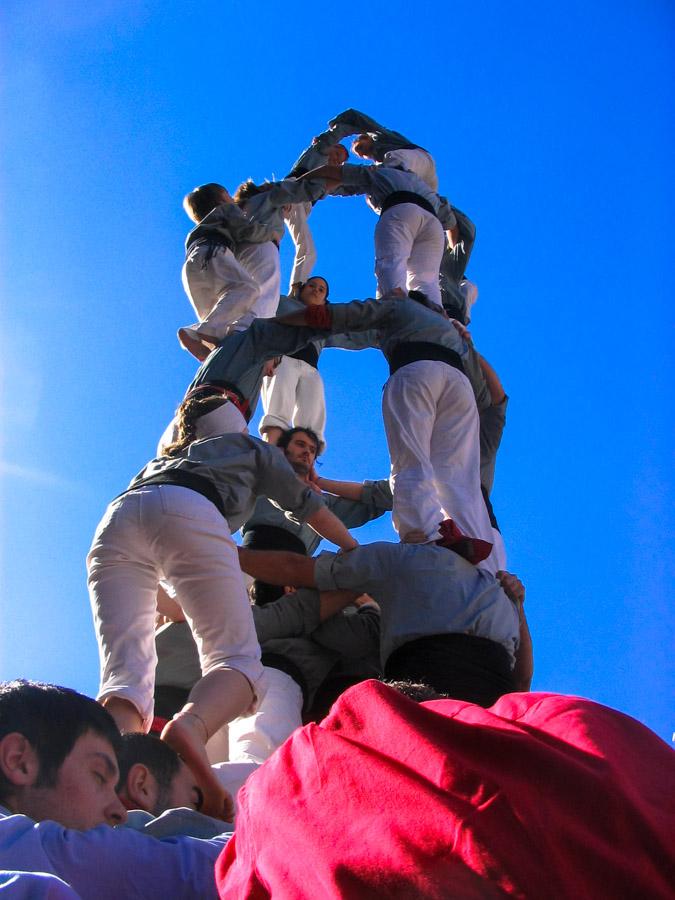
(260, 593)
(51, 718)
(415, 690)
(287, 435)
(156, 755)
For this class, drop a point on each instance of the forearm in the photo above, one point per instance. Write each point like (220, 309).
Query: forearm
(329, 173)
(278, 567)
(331, 528)
(332, 602)
(494, 384)
(350, 490)
(524, 668)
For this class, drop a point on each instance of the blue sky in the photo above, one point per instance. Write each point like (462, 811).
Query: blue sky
(552, 129)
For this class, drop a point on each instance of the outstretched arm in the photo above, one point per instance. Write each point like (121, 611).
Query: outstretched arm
(278, 567)
(495, 387)
(350, 490)
(524, 668)
(330, 527)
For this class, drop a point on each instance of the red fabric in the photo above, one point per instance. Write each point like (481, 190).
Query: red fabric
(472, 549)
(319, 317)
(540, 796)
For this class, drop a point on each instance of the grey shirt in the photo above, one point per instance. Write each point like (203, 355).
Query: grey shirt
(229, 222)
(241, 468)
(376, 499)
(402, 320)
(492, 422)
(384, 139)
(455, 261)
(285, 628)
(267, 207)
(423, 590)
(315, 155)
(379, 182)
(238, 360)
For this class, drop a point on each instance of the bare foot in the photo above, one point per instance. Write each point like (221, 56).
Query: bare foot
(193, 345)
(186, 735)
(126, 716)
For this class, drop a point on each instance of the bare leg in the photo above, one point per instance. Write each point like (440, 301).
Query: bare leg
(272, 434)
(217, 698)
(126, 716)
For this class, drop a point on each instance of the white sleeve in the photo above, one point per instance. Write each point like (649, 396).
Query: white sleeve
(305, 251)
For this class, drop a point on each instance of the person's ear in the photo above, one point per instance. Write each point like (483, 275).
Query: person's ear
(140, 788)
(19, 762)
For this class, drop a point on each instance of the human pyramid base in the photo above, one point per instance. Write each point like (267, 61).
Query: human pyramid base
(224, 652)
(173, 525)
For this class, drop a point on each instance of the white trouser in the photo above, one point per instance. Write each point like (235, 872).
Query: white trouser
(409, 244)
(294, 396)
(176, 535)
(232, 777)
(431, 422)
(262, 261)
(496, 561)
(305, 250)
(254, 738)
(220, 290)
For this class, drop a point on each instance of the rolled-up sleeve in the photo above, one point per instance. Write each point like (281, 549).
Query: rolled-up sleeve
(362, 569)
(360, 315)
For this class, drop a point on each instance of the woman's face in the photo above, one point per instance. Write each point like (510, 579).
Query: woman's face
(314, 292)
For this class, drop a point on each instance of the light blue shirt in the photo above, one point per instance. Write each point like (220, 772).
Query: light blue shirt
(423, 590)
(109, 864)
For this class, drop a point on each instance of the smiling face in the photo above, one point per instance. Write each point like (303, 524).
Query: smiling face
(83, 794)
(314, 291)
(301, 453)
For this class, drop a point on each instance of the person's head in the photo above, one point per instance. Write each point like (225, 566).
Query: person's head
(336, 155)
(153, 777)
(260, 593)
(301, 447)
(199, 203)
(364, 146)
(192, 409)
(314, 292)
(58, 756)
(248, 189)
(417, 691)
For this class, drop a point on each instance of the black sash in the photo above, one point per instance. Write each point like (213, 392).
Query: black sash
(182, 478)
(412, 351)
(399, 197)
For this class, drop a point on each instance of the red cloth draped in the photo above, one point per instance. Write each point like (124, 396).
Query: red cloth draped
(539, 796)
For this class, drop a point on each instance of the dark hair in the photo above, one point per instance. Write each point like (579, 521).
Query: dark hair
(325, 281)
(190, 410)
(260, 593)
(199, 203)
(51, 718)
(248, 189)
(160, 759)
(287, 435)
(417, 691)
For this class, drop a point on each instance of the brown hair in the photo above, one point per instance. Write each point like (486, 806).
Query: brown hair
(248, 189)
(187, 414)
(199, 203)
